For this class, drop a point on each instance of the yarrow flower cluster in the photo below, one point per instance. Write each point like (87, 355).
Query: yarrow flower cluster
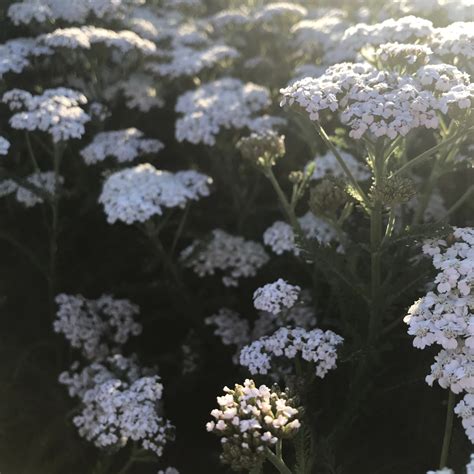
(223, 104)
(233, 255)
(43, 184)
(315, 346)
(97, 327)
(120, 402)
(327, 165)
(273, 297)
(444, 317)
(124, 145)
(187, 61)
(4, 146)
(56, 111)
(43, 11)
(249, 420)
(136, 194)
(382, 103)
(85, 37)
(280, 236)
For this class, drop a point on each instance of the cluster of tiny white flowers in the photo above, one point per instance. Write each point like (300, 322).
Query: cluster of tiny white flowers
(97, 327)
(445, 470)
(233, 255)
(4, 146)
(280, 236)
(14, 54)
(273, 297)
(392, 54)
(402, 30)
(86, 36)
(136, 194)
(125, 145)
(230, 18)
(43, 11)
(382, 103)
(251, 418)
(120, 402)
(225, 103)
(444, 317)
(230, 327)
(315, 346)
(43, 181)
(455, 10)
(139, 90)
(168, 470)
(187, 61)
(320, 33)
(454, 41)
(327, 165)
(55, 111)
(272, 12)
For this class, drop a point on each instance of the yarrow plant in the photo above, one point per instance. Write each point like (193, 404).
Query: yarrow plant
(197, 192)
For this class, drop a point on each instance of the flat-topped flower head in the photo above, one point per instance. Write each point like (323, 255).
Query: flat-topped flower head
(273, 297)
(382, 103)
(186, 61)
(96, 327)
(124, 145)
(42, 11)
(454, 42)
(315, 346)
(85, 37)
(136, 194)
(279, 14)
(56, 112)
(15, 54)
(223, 104)
(403, 56)
(232, 255)
(250, 419)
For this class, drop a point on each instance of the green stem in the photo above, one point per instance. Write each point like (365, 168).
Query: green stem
(375, 249)
(427, 154)
(283, 200)
(448, 430)
(277, 461)
(458, 203)
(347, 171)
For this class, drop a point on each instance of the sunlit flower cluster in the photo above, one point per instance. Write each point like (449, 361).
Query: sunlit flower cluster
(250, 419)
(136, 194)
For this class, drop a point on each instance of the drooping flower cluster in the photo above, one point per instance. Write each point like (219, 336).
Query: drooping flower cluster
(444, 317)
(136, 194)
(233, 255)
(55, 111)
(250, 419)
(96, 327)
(315, 346)
(124, 145)
(382, 103)
(223, 104)
(276, 296)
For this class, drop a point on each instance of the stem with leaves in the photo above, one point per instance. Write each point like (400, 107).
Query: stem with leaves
(277, 459)
(448, 430)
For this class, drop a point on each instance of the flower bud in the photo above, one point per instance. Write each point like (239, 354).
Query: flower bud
(393, 191)
(262, 149)
(327, 196)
